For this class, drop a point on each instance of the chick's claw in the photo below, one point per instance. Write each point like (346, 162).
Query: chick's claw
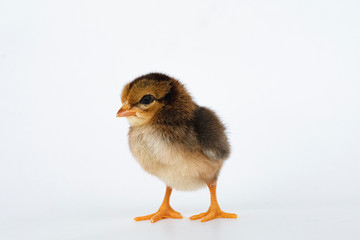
(161, 214)
(198, 216)
(147, 217)
(212, 214)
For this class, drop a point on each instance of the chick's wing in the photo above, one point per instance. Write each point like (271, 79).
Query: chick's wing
(211, 134)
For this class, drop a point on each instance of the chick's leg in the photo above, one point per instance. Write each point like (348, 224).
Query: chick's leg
(165, 211)
(214, 209)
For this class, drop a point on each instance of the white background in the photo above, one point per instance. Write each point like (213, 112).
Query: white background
(283, 75)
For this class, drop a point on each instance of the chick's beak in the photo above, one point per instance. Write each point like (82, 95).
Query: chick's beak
(125, 111)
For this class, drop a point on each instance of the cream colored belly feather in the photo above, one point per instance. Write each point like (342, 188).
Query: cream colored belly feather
(178, 169)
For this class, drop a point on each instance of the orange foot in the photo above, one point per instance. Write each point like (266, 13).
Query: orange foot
(162, 213)
(211, 214)
(214, 209)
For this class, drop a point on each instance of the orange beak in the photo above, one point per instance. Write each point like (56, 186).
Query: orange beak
(125, 111)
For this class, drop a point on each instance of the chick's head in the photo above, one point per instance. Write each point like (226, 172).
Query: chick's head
(155, 98)
(142, 99)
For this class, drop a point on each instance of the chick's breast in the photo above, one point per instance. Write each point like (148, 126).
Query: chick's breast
(178, 164)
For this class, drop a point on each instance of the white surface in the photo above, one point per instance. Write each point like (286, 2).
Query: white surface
(283, 75)
(251, 224)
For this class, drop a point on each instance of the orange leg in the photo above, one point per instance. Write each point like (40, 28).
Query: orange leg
(165, 211)
(214, 209)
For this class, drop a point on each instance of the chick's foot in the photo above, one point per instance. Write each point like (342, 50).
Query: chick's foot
(214, 209)
(212, 213)
(164, 212)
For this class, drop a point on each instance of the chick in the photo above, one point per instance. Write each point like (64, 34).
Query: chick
(173, 138)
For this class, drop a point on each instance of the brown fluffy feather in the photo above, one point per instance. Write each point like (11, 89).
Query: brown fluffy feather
(173, 138)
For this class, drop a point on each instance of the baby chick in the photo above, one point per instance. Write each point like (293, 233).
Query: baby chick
(174, 139)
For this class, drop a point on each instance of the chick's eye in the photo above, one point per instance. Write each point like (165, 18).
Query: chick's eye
(147, 99)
